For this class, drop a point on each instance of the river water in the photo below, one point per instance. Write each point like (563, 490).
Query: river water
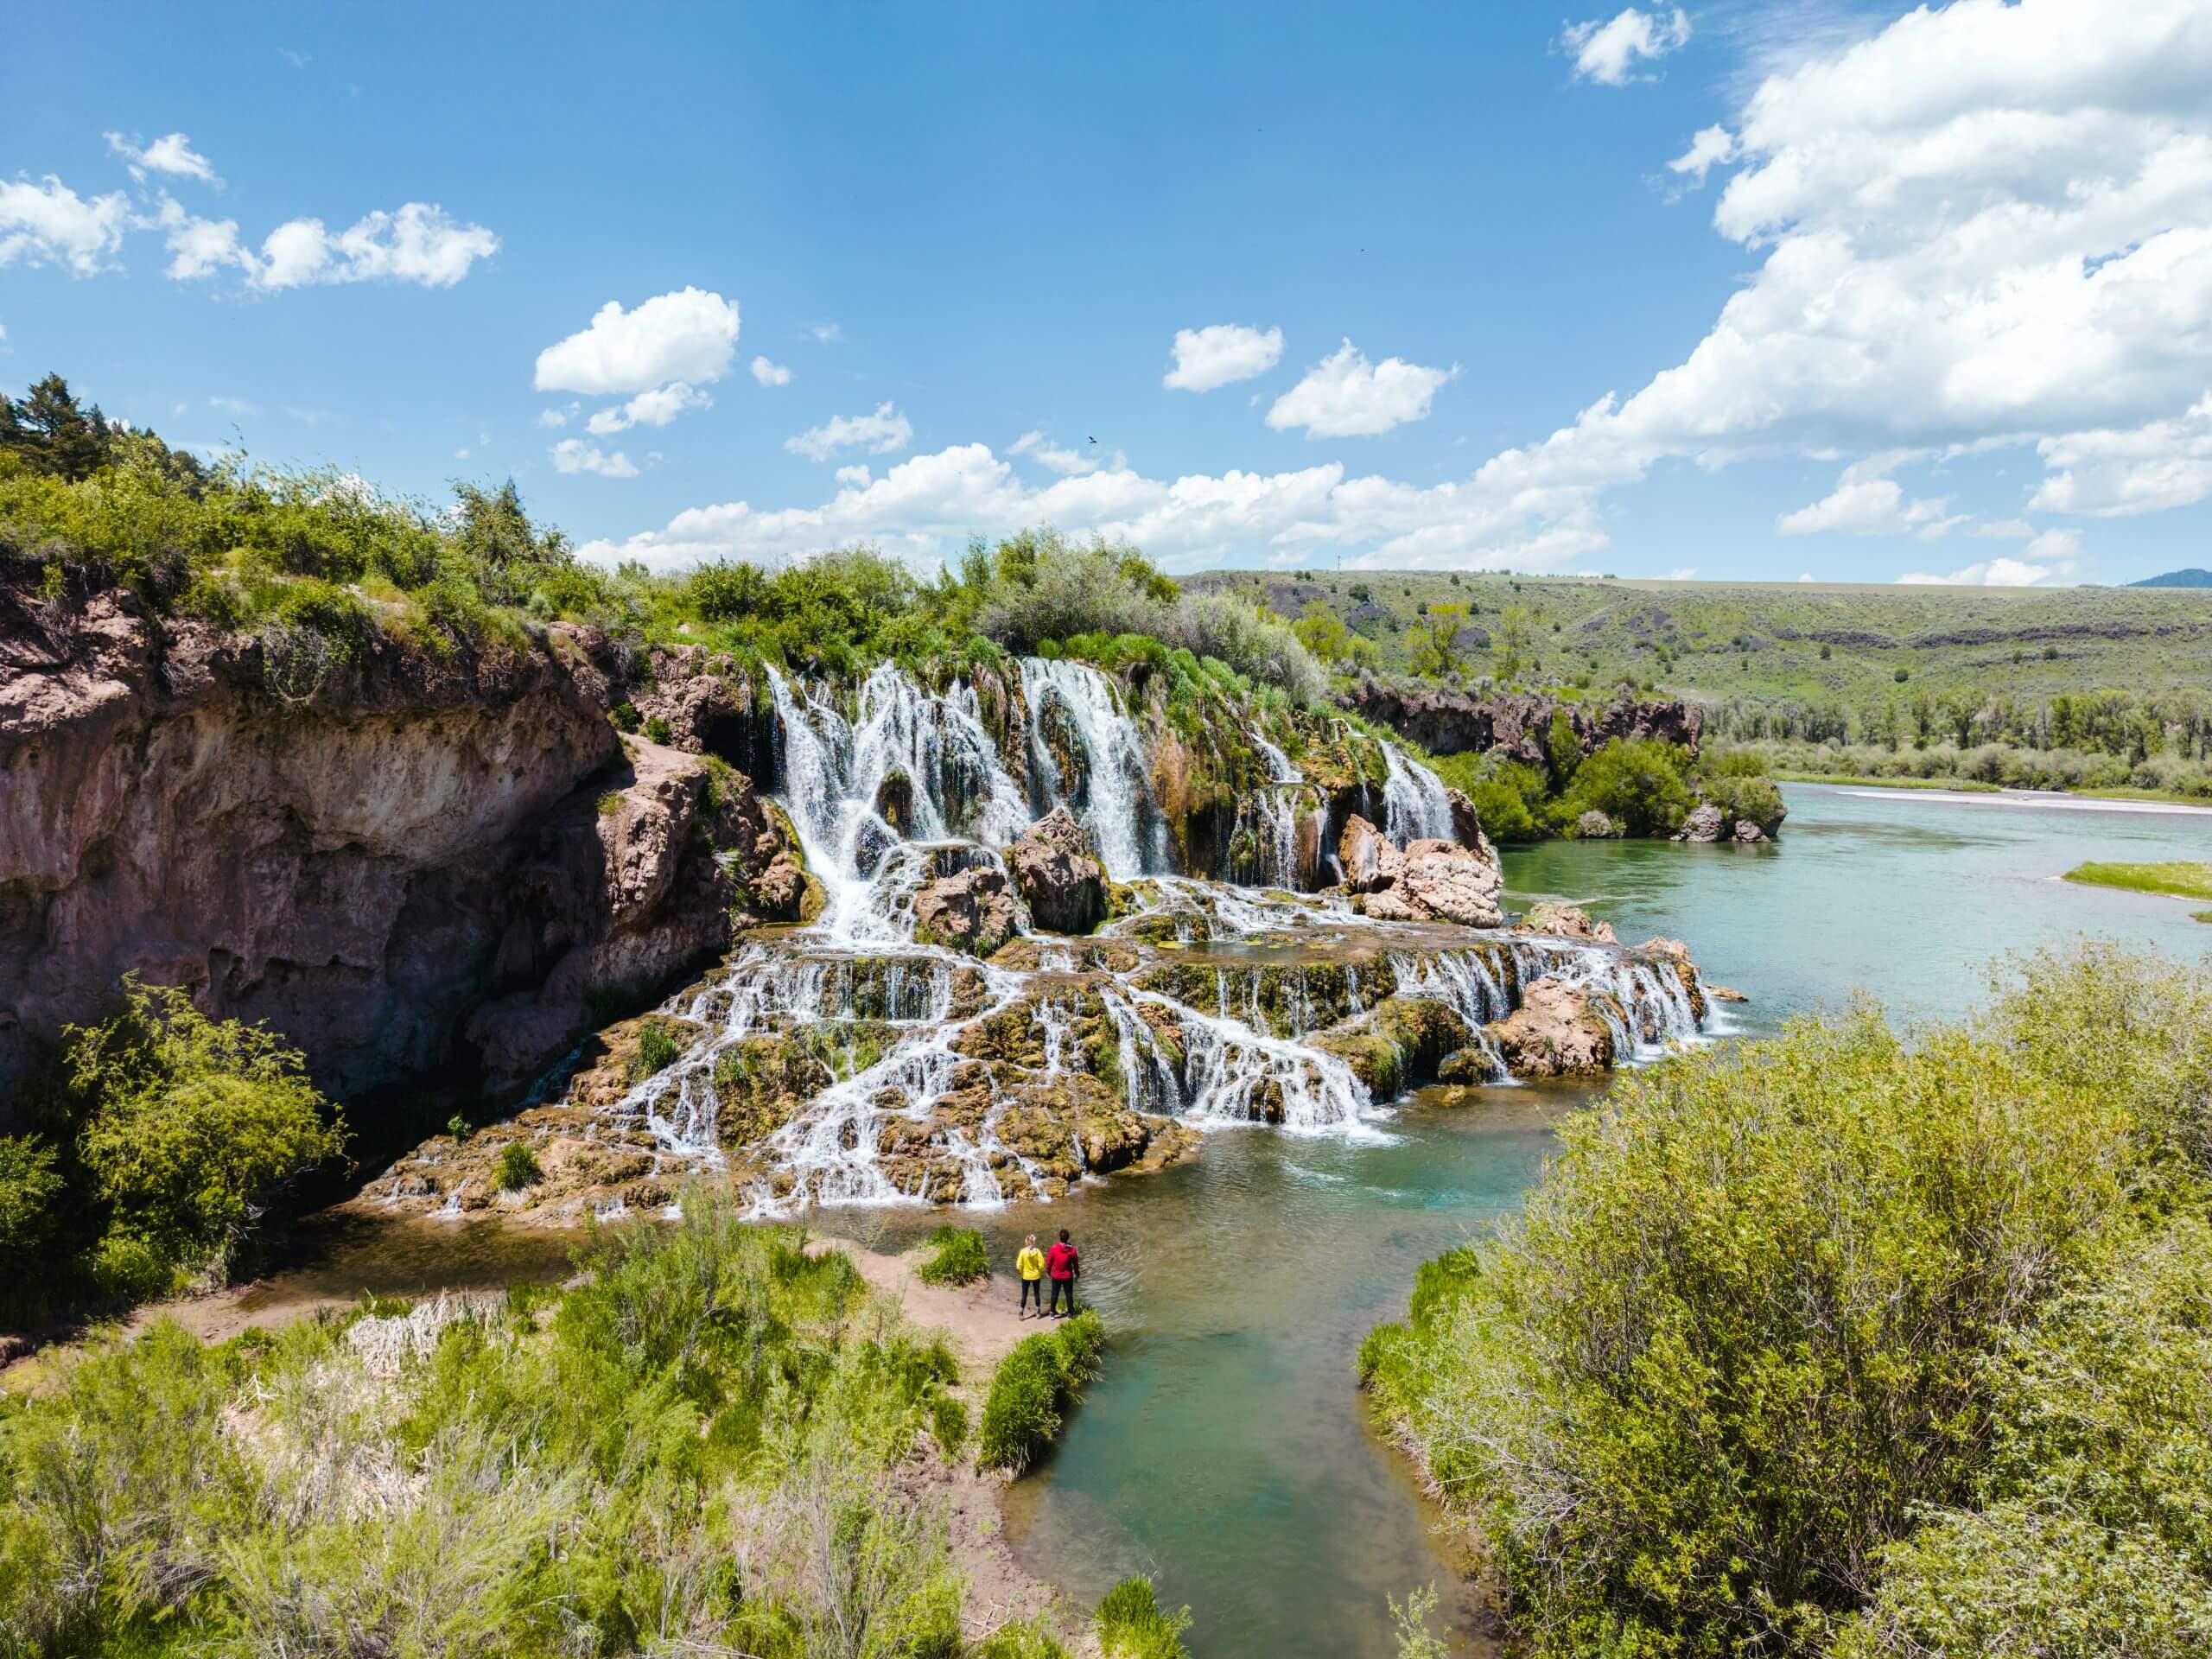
(1224, 1448)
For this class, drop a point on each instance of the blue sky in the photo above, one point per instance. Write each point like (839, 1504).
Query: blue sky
(1921, 295)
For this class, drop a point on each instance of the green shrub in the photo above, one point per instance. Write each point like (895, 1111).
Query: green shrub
(625, 716)
(29, 1187)
(1131, 1626)
(1742, 1336)
(517, 1167)
(1636, 779)
(957, 1257)
(657, 730)
(658, 1050)
(191, 1126)
(1033, 1388)
(1025, 1638)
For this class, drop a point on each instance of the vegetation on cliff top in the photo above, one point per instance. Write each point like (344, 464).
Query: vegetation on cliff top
(324, 561)
(1846, 1344)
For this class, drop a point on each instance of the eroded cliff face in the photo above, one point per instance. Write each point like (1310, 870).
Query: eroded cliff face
(365, 853)
(1517, 724)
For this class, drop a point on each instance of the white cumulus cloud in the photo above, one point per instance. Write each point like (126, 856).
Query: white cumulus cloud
(1710, 147)
(2050, 557)
(1608, 52)
(655, 408)
(688, 335)
(47, 223)
(1344, 396)
(880, 433)
(1220, 353)
(419, 243)
(1044, 452)
(770, 374)
(574, 455)
(173, 155)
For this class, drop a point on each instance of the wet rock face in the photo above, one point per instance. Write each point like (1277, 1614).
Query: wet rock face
(1554, 1033)
(1063, 885)
(974, 911)
(1399, 1044)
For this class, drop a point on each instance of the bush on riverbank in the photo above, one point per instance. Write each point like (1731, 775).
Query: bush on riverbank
(1756, 1371)
(161, 1141)
(1034, 1387)
(957, 1257)
(1993, 765)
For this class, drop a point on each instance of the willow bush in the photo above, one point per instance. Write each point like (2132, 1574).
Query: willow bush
(1753, 1330)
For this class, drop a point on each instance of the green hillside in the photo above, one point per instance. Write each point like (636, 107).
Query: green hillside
(1849, 645)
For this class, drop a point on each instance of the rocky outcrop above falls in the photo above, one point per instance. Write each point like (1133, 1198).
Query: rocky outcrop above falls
(1062, 883)
(1555, 1033)
(1430, 880)
(1517, 724)
(363, 846)
(972, 910)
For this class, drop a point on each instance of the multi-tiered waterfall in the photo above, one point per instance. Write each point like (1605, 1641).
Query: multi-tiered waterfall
(1236, 982)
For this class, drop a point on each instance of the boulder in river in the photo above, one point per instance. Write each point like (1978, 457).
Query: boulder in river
(1554, 1033)
(1594, 825)
(1705, 822)
(1564, 922)
(1370, 862)
(1397, 1044)
(1060, 881)
(1748, 832)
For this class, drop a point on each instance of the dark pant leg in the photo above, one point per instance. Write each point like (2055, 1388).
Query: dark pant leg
(1032, 1290)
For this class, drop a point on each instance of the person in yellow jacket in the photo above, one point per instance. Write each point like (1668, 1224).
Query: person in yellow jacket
(1030, 1264)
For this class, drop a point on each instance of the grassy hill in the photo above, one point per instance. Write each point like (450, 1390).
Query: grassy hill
(1776, 642)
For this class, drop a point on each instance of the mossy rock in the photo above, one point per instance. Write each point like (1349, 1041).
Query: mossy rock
(1399, 1044)
(761, 1083)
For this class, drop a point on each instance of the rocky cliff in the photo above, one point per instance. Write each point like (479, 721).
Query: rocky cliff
(1517, 724)
(406, 859)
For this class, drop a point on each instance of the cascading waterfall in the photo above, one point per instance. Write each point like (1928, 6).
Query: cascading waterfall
(1110, 799)
(846, 1063)
(1415, 804)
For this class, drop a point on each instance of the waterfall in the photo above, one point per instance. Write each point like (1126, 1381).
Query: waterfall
(1414, 805)
(1110, 797)
(845, 1063)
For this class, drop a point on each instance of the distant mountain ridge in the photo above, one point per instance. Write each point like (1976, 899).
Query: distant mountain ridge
(2191, 578)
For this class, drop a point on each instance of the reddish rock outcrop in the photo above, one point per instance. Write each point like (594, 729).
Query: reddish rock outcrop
(1429, 881)
(1518, 724)
(1554, 1033)
(362, 845)
(972, 910)
(1062, 883)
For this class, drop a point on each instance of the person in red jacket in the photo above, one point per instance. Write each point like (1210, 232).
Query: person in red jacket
(1063, 1261)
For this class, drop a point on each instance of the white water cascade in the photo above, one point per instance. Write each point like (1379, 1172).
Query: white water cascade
(1110, 800)
(1415, 804)
(846, 1063)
